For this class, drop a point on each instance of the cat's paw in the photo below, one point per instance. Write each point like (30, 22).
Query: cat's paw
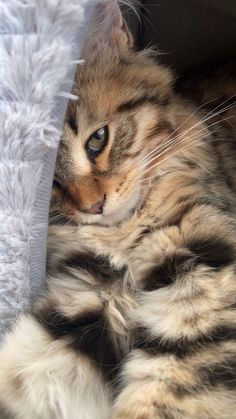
(135, 413)
(94, 238)
(89, 232)
(130, 414)
(140, 404)
(99, 239)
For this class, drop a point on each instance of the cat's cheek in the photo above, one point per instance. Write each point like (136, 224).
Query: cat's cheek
(68, 211)
(118, 210)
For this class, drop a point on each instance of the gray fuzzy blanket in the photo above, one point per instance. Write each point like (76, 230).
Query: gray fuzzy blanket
(39, 43)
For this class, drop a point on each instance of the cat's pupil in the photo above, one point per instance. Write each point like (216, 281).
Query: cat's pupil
(99, 134)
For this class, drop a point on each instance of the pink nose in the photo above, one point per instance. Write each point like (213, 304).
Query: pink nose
(94, 209)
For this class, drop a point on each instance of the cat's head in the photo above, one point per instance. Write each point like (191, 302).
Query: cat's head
(122, 116)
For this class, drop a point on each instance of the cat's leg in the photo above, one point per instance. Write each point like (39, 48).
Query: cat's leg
(183, 362)
(42, 377)
(57, 363)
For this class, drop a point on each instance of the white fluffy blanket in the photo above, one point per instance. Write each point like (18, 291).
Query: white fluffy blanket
(39, 42)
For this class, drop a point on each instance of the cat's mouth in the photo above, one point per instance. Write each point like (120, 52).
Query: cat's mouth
(112, 213)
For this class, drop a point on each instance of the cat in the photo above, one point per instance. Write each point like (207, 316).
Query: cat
(138, 317)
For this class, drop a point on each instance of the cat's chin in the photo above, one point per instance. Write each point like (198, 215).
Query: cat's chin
(105, 220)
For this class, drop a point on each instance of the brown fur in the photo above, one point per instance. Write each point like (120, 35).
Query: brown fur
(138, 319)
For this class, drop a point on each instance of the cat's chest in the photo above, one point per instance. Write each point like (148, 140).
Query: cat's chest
(112, 242)
(120, 241)
(128, 249)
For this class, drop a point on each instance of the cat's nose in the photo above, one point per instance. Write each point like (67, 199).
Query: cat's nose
(95, 209)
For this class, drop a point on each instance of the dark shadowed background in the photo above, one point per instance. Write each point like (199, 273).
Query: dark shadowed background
(190, 33)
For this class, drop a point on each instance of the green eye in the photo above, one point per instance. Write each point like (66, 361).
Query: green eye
(97, 141)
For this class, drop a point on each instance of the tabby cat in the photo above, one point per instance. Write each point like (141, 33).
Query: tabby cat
(138, 318)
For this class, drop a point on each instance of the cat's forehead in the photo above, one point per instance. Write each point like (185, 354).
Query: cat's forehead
(101, 93)
(108, 88)
(105, 79)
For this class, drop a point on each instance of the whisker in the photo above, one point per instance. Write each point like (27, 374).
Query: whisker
(171, 155)
(68, 222)
(179, 142)
(145, 179)
(192, 114)
(55, 217)
(132, 6)
(155, 175)
(205, 119)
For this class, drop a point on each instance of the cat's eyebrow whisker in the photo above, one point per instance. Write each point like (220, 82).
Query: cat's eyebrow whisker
(172, 141)
(173, 154)
(170, 137)
(132, 7)
(144, 15)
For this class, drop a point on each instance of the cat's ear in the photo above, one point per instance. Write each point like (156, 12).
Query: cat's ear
(107, 29)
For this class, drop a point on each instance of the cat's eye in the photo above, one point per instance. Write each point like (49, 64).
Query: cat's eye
(97, 141)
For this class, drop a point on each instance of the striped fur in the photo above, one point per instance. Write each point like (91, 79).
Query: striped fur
(138, 318)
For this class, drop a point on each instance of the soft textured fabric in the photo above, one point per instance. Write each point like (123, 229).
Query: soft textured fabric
(39, 43)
